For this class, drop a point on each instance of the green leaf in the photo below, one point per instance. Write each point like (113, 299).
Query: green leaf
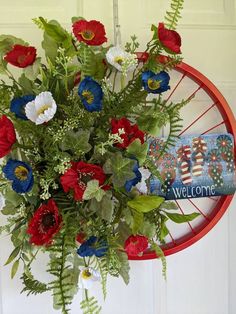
(152, 120)
(78, 142)
(164, 232)
(14, 268)
(76, 19)
(50, 47)
(179, 218)
(32, 71)
(54, 30)
(125, 268)
(138, 150)
(13, 255)
(148, 229)
(106, 208)
(121, 169)
(146, 203)
(93, 190)
(137, 221)
(27, 85)
(169, 205)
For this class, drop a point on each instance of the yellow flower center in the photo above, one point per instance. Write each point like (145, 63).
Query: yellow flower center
(21, 173)
(119, 60)
(87, 35)
(88, 96)
(86, 274)
(153, 84)
(43, 109)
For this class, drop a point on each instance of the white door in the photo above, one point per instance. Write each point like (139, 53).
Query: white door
(201, 279)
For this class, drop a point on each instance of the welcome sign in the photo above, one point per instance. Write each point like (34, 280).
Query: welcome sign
(197, 166)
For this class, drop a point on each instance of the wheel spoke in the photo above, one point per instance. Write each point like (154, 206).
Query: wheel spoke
(198, 118)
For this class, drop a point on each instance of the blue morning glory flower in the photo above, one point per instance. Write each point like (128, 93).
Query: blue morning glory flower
(91, 94)
(93, 246)
(18, 106)
(21, 175)
(155, 83)
(138, 177)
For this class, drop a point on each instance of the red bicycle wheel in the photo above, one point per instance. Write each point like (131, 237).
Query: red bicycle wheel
(210, 114)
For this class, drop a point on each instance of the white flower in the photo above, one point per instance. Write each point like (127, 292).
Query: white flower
(121, 60)
(2, 201)
(42, 109)
(142, 186)
(88, 276)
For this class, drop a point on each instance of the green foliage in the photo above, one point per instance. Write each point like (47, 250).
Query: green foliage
(31, 285)
(63, 287)
(173, 15)
(180, 218)
(90, 305)
(160, 254)
(120, 169)
(14, 268)
(145, 203)
(138, 150)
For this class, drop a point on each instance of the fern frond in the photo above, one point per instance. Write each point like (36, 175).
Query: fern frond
(173, 111)
(32, 286)
(38, 23)
(173, 15)
(90, 305)
(64, 286)
(102, 265)
(160, 254)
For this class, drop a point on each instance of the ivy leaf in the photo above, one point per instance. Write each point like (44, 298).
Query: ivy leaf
(14, 268)
(139, 150)
(146, 203)
(179, 218)
(13, 255)
(121, 169)
(93, 190)
(78, 142)
(32, 71)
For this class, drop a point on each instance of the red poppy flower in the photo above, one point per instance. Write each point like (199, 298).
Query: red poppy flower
(136, 245)
(90, 32)
(7, 136)
(77, 177)
(21, 56)
(131, 132)
(81, 237)
(45, 223)
(170, 39)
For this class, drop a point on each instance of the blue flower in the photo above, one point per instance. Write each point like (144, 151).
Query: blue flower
(93, 246)
(138, 177)
(20, 174)
(91, 94)
(155, 83)
(18, 106)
